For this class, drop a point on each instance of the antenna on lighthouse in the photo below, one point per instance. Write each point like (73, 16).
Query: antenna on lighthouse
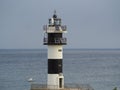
(54, 15)
(54, 11)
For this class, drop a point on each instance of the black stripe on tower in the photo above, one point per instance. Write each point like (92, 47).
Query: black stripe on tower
(54, 35)
(55, 39)
(54, 66)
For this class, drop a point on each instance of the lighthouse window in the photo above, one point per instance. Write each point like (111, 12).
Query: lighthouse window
(60, 50)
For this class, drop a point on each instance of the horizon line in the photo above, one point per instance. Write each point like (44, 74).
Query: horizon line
(63, 48)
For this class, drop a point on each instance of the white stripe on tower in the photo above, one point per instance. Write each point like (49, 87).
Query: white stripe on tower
(55, 52)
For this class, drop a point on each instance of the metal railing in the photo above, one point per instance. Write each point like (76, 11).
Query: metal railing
(45, 27)
(55, 41)
(63, 27)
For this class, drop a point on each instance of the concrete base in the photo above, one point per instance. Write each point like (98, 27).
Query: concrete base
(66, 87)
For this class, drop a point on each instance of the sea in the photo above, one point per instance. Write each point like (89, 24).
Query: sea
(99, 68)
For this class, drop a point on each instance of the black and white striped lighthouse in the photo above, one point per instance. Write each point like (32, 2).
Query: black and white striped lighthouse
(53, 37)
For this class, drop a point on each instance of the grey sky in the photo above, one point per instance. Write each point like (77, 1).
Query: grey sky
(91, 23)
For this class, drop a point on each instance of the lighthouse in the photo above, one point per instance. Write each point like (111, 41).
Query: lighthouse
(54, 39)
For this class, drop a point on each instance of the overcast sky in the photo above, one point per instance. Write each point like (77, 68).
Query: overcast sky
(90, 23)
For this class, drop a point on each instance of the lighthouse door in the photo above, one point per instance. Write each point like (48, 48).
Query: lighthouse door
(60, 82)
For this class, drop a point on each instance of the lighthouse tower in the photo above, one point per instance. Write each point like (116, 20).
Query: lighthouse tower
(53, 37)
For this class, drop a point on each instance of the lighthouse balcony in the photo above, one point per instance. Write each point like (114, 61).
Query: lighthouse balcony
(55, 29)
(55, 41)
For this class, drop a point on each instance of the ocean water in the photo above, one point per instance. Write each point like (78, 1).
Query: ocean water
(98, 68)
